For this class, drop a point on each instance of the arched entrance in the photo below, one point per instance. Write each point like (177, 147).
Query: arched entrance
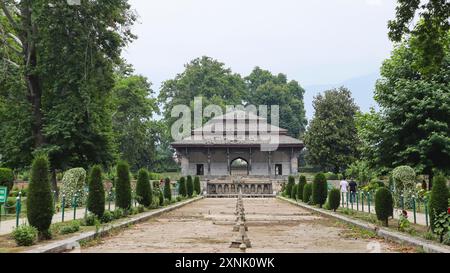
(239, 166)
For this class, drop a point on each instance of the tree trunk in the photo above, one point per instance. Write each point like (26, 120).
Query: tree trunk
(386, 222)
(430, 179)
(54, 183)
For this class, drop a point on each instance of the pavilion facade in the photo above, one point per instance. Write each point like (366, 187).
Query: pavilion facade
(239, 151)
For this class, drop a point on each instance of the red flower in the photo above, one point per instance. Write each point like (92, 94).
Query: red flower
(448, 211)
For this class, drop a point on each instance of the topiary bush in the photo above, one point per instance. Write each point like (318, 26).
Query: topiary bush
(161, 198)
(319, 189)
(73, 227)
(6, 178)
(404, 178)
(334, 199)
(294, 192)
(182, 187)
(25, 235)
(384, 205)
(197, 186)
(90, 220)
(118, 213)
(144, 190)
(96, 195)
(301, 186)
(40, 198)
(123, 186)
(107, 217)
(189, 186)
(289, 186)
(168, 190)
(73, 182)
(438, 198)
(307, 192)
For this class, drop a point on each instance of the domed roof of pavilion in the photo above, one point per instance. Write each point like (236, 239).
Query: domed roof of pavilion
(238, 128)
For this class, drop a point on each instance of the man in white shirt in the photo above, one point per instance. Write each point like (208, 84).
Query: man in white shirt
(344, 186)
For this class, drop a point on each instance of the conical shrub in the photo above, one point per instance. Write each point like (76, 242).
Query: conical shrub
(301, 186)
(167, 190)
(182, 187)
(334, 199)
(290, 185)
(143, 188)
(123, 186)
(307, 192)
(96, 195)
(189, 186)
(197, 186)
(319, 189)
(439, 198)
(40, 199)
(384, 205)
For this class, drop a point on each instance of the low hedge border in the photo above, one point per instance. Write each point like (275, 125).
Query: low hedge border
(379, 231)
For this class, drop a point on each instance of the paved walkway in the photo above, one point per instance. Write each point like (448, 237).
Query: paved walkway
(206, 226)
(8, 226)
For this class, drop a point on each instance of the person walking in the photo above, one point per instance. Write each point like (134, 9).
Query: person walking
(343, 185)
(353, 187)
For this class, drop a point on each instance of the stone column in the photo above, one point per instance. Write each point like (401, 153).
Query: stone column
(185, 163)
(270, 163)
(294, 164)
(228, 161)
(250, 162)
(209, 161)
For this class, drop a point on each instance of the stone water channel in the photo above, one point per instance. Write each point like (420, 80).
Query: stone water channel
(206, 226)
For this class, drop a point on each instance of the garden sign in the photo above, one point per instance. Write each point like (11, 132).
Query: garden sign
(3, 194)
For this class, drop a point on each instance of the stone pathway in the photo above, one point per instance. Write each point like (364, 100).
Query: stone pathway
(7, 226)
(206, 226)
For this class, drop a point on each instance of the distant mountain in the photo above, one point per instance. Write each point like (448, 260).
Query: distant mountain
(362, 89)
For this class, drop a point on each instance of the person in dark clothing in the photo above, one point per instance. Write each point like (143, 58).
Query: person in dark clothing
(353, 187)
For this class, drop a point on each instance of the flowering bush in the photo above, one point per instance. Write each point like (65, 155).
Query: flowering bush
(404, 183)
(73, 182)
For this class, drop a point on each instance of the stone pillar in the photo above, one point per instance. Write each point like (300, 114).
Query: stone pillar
(250, 162)
(270, 163)
(209, 161)
(294, 164)
(228, 161)
(185, 163)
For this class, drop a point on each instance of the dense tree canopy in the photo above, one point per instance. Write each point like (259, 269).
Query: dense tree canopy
(429, 34)
(414, 122)
(331, 138)
(264, 88)
(133, 108)
(65, 57)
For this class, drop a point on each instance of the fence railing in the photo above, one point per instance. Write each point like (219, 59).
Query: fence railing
(364, 202)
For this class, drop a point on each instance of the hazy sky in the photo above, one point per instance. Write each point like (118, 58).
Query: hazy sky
(312, 41)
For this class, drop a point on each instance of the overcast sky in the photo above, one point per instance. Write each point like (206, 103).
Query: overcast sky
(312, 41)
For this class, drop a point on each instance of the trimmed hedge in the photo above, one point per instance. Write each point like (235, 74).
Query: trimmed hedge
(25, 235)
(307, 192)
(290, 185)
(439, 198)
(294, 192)
(161, 198)
(182, 187)
(6, 178)
(144, 189)
(334, 199)
(301, 186)
(168, 190)
(40, 198)
(96, 195)
(197, 186)
(189, 186)
(123, 186)
(319, 189)
(384, 205)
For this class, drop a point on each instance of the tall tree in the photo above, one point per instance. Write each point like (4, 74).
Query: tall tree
(205, 77)
(65, 55)
(415, 113)
(133, 108)
(331, 138)
(264, 88)
(429, 34)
